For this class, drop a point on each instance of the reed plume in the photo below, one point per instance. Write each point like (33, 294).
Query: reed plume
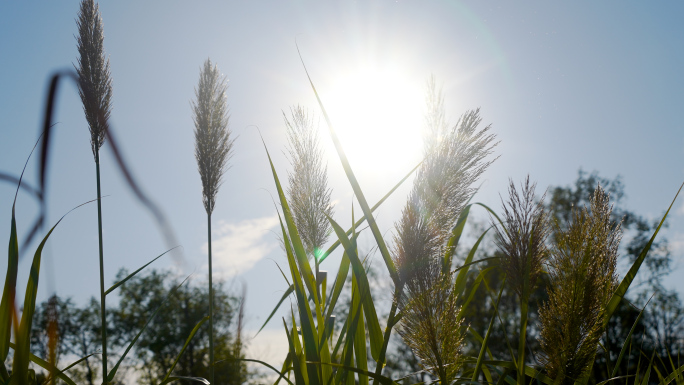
(213, 148)
(308, 181)
(522, 241)
(583, 278)
(95, 81)
(454, 159)
(95, 89)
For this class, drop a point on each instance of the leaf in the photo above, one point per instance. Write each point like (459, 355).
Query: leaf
(631, 274)
(383, 380)
(625, 345)
(484, 348)
(341, 277)
(357, 189)
(179, 378)
(112, 372)
(8, 293)
(281, 375)
(47, 366)
(376, 337)
(187, 342)
(116, 285)
(456, 233)
(462, 276)
(296, 366)
(360, 221)
(528, 370)
(289, 291)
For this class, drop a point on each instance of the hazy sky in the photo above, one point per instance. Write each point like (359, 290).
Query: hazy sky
(565, 86)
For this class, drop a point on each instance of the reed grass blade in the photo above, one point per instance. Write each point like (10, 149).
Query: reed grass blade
(47, 366)
(296, 366)
(460, 284)
(182, 378)
(187, 342)
(484, 348)
(116, 285)
(287, 293)
(8, 293)
(627, 339)
(634, 269)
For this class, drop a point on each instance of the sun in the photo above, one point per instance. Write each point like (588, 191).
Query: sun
(377, 114)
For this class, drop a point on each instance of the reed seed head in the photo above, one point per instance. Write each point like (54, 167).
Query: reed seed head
(308, 181)
(522, 240)
(213, 138)
(582, 271)
(95, 81)
(432, 328)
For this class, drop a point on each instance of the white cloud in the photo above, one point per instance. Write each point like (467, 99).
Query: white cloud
(236, 247)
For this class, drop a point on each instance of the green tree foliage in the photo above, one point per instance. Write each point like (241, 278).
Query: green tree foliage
(159, 345)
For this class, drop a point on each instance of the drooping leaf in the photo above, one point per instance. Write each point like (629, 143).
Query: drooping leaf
(187, 342)
(116, 285)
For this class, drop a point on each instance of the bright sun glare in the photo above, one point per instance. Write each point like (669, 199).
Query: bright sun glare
(378, 118)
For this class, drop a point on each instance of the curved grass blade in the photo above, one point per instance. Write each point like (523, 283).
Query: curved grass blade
(629, 336)
(112, 372)
(49, 378)
(473, 289)
(341, 277)
(281, 375)
(462, 276)
(23, 332)
(535, 374)
(631, 274)
(9, 292)
(303, 261)
(355, 186)
(296, 366)
(456, 233)
(116, 285)
(673, 375)
(289, 291)
(484, 347)
(180, 378)
(47, 366)
(187, 342)
(383, 380)
(376, 337)
(363, 218)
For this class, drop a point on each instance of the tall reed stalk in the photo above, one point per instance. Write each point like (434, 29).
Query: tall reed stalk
(95, 89)
(213, 148)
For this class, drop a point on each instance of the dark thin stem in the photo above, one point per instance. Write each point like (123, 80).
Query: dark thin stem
(102, 282)
(211, 308)
(388, 331)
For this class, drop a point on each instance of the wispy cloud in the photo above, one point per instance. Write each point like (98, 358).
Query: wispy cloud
(238, 246)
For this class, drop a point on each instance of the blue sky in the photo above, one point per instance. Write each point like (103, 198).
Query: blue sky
(564, 85)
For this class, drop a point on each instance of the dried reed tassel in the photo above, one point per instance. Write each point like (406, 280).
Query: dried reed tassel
(308, 182)
(583, 278)
(213, 148)
(454, 159)
(95, 89)
(522, 241)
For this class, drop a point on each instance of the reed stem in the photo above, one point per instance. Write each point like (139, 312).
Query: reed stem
(102, 282)
(211, 308)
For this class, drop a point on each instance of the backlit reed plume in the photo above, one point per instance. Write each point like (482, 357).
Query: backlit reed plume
(431, 327)
(583, 279)
(454, 159)
(95, 89)
(522, 239)
(309, 195)
(522, 243)
(213, 148)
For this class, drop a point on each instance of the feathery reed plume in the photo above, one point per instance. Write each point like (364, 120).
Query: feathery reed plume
(583, 279)
(95, 89)
(213, 142)
(454, 159)
(95, 81)
(213, 148)
(522, 242)
(431, 327)
(308, 182)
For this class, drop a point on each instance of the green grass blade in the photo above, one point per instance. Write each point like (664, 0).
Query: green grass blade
(289, 291)
(281, 375)
(180, 378)
(112, 372)
(360, 344)
(49, 377)
(187, 342)
(631, 274)
(341, 277)
(629, 336)
(462, 276)
(456, 233)
(306, 319)
(47, 366)
(484, 348)
(20, 364)
(116, 285)
(673, 375)
(383, 380)
(8, 293)
(647, 375)
(535, 374)
(374, 331)
(357, 189)
(363, 218)
(296, 365)
(298, 247)
(473, 289)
